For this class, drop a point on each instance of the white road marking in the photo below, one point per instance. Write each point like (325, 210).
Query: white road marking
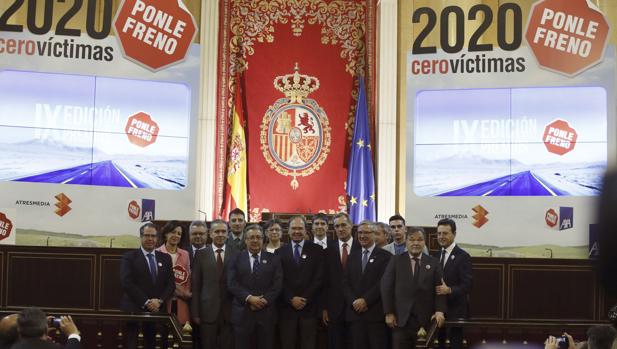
(542, 184)
(70, 179)
(123, 175)
(492, 190)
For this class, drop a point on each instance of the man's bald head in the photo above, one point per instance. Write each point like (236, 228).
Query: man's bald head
(8, 330)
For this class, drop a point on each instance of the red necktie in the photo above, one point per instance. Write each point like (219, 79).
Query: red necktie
(219, 261)
(344, 256)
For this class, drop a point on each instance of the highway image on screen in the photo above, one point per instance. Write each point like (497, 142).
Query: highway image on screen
(510, 142)
(70, 129)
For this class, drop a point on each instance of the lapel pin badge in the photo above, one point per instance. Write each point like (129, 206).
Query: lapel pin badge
(371, 260)
(428, 267)
(264, 261)
(160, 264)
(452, 257)
(303, 256)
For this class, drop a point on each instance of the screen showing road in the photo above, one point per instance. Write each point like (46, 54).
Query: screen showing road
(510, 142)
(72, 129)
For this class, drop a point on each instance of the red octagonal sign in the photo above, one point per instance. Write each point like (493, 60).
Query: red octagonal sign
(154, 33)
(141, 129)
(567, 36)
(559, 137)
(6, 226)
(551, 218)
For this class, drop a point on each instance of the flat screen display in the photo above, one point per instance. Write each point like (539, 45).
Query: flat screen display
(549, 141)
(71, 129)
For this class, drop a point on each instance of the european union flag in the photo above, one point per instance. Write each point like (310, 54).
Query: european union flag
(360, 178)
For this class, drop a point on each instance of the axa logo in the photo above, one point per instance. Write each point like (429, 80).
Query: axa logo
(562, 220)
(62, 206)
(145, 211)
(479, 217)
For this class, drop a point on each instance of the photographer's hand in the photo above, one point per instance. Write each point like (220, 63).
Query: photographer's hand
(67, 326)
(551, 343)
(571, 344)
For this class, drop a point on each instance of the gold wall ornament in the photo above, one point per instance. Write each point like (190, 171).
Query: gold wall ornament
(253, 21)
(295, 131)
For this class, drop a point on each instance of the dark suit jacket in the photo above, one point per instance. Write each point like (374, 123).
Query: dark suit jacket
(332, 296)
(241, 282)
(357, 284)
(457, 274)
(137, 283)
(210, 288)
(304, 279)
(37, 343)
(189, 248)
(402, 297)
(240, 246)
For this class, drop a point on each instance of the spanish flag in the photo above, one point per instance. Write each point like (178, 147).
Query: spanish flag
(235, 190)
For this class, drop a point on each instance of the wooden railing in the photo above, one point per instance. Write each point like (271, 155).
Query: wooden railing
(106, 330)
(509, 332)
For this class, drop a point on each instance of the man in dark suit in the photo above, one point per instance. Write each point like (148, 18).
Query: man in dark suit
(32, 326)
(237, 222)
(333, 301)
(255, 279)
(457, 276)
(319, 229)
(302, 264)
(148, 281)
(211, 302)
(197, 234)
(364, 311)
(408, 292)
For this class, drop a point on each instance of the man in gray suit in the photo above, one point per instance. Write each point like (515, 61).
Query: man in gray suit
(211, 303)
(408, 292)
(399, 231)
(382, 236)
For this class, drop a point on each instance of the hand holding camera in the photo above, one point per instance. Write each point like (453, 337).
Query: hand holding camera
(565, 341)
(64, 323)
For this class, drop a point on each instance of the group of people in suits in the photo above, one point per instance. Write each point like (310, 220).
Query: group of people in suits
(366, 294)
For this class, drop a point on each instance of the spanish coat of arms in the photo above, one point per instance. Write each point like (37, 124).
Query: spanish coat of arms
(295, 132)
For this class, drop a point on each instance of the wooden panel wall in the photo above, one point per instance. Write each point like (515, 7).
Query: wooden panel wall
(88, 279)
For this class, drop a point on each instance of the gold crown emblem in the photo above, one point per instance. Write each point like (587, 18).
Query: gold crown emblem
(296, 86)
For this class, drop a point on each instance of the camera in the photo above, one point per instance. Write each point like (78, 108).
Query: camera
(562, 342)
(54, 322)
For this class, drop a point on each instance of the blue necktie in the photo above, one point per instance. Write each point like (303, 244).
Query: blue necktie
(364, 259)
(297, 253)
(152, 265)
(255, 263)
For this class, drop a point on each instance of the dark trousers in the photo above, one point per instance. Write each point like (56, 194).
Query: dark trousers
(337, 334)
(216, 334)
(196, 334)
(405, 337)
(455, 334)
(259, 333)
(149, 332)
(297, 330)
(367, 334)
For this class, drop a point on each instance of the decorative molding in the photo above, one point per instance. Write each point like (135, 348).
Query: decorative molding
(386, 132)
(206, 124)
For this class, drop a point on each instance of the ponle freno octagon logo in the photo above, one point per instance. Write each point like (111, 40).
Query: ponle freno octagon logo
(567, 36)
(155, 33)
(6, 226)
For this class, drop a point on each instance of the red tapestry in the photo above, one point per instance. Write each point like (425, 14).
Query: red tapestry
(299, 61)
